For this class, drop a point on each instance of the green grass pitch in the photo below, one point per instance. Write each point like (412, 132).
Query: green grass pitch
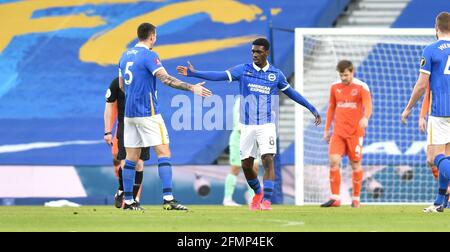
(208, 218)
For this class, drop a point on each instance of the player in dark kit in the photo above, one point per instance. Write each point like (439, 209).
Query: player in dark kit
(114, 109)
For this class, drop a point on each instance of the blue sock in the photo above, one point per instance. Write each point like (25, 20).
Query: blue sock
(165, 174)
(128, 174)
(254, 184)
(268, 189)
(443, 164)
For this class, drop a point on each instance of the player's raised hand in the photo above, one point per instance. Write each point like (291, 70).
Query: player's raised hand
(363, 123)
(183, 70)
(422, 124)
(198, 89)
(405, 115)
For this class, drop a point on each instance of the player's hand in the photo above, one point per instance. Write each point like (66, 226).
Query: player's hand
(198, 89)
(317, 119)
(422, 125)
(108, 139)
(405, 115)
(182, 70)
(327, 136)
(363, 123)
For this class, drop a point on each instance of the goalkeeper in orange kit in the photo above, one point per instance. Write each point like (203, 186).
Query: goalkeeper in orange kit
(350, 106)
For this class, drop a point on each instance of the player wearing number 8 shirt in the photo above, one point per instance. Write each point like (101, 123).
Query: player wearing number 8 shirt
(143, 125)
(259, 84)
(435, 70)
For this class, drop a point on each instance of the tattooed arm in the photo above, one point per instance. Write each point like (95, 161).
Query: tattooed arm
(171, 81)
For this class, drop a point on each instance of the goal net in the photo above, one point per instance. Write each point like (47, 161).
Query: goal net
(394, 157)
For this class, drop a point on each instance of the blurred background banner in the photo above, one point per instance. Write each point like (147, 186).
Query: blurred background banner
(58, 58)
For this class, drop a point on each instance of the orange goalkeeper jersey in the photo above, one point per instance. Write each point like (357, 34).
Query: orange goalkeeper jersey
(348, 104)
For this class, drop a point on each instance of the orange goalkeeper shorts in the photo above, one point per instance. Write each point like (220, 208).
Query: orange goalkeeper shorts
(351, 146)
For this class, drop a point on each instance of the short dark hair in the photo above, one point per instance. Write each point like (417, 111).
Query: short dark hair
(145, 30)
(343, 65)
(262, 42)
(443, 22)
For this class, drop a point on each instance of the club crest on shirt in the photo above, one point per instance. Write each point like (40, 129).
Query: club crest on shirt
(157, 61)
(422, 62)
(272, 77)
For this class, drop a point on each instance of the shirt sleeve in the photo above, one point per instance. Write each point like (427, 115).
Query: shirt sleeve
(425, 61)
(367, 102)
(283, 84)
(153, 63)
(235, 72)
(113, 91)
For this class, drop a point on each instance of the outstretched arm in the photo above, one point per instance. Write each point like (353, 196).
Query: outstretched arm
(173, 82)
(206, 75)
(418, 91)
(298, 98)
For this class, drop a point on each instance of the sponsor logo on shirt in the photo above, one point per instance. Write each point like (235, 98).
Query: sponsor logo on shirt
(351, 105)
(259, 88)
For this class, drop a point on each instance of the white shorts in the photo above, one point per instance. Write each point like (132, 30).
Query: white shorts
(438, 130)
(254, 137)
(144, 131)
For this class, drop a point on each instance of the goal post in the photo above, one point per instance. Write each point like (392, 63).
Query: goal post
(394, 160)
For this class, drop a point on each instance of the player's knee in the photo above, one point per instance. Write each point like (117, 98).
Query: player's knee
(132, 157)
(247, 164)
(140, 165)
(356, 166)
(334, 166)
(163, 152)
(235, 170)
(267, 158)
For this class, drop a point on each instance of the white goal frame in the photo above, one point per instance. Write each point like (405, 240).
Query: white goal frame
(299, 79)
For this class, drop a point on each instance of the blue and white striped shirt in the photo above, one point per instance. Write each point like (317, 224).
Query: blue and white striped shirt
(259, 88)
(138, 66)
(436, 62)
